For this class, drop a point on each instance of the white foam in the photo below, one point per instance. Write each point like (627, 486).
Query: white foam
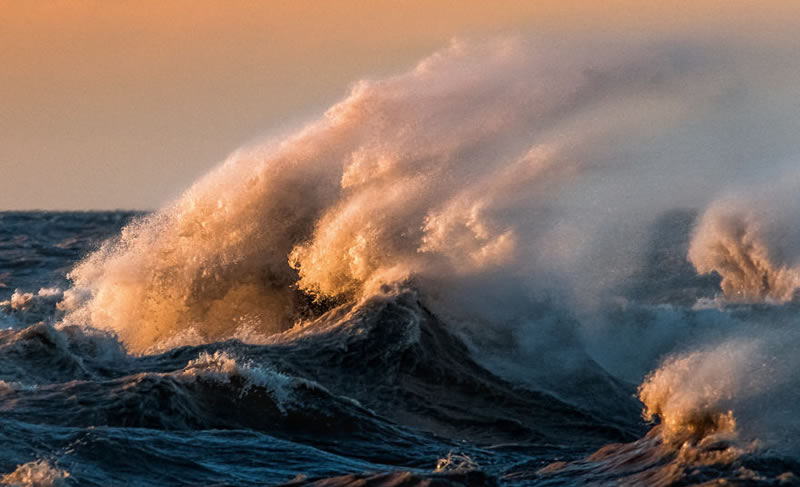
(38, 473)
(221, 367)
(487, 175)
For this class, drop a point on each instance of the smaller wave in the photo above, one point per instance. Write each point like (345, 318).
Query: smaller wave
(44, 353)
(38, 473)
(22, 301)
(739, 391)
(723, 417)
(691, 394)
(656, 461)
(24, 308)
(751, 242)
(222, 367)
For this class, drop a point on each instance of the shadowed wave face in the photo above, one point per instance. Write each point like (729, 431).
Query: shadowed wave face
(473, 263)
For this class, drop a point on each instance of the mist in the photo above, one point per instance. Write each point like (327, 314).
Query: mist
(518, 188)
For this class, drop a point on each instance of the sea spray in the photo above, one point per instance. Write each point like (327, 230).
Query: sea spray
(492, 176)
(750, 238)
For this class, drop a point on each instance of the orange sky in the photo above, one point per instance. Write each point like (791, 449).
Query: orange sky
(107, 104)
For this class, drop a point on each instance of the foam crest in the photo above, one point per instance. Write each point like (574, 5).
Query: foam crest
(24, 308)
(750, 240)
(38, 473)
(737, 389)
(475, 165)
(221, 367)
(689, 393)
(491, 177)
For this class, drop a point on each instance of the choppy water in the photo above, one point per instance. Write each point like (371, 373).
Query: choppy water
(507, 266)
(382, 394)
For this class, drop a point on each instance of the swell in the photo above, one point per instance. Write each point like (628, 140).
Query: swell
(384, 383)
(354, 367)
(387, 367)
(652, 460)
(396, 357)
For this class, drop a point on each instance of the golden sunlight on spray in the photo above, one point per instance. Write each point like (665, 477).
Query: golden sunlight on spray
(693, 394)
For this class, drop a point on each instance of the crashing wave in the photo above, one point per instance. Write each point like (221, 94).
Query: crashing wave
(467, 175)
(222, 367)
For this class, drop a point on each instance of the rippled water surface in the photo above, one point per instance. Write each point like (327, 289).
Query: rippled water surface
(385, 393)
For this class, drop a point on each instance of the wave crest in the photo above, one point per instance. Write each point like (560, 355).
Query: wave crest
(750, 246)
(474, 165)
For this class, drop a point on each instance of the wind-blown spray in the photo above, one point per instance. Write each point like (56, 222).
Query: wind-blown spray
(476, 164)
(497, 180)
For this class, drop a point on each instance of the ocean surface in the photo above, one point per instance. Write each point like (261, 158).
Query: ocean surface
(510, 265)
(386, 393)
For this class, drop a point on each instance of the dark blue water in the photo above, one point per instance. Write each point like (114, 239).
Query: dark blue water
(383, 394)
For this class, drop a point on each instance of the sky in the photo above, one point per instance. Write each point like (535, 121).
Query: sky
(122, 104)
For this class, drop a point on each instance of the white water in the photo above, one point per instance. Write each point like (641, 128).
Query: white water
(752, 240)
(492, 177)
